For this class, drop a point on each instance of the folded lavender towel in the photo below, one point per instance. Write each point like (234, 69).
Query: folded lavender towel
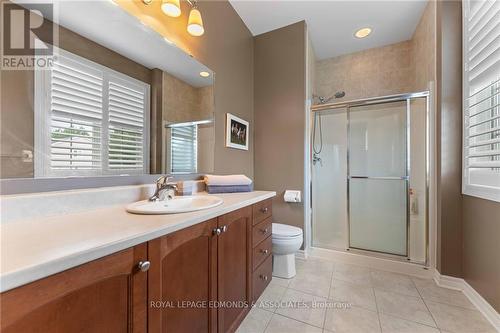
(229, 188)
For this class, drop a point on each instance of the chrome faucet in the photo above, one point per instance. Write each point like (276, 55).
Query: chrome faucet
(163, 189)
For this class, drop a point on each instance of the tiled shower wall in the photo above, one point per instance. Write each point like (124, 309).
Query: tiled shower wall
(402, 67)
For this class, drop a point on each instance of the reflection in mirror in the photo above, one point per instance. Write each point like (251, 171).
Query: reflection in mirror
(118, 99)
(188, 126)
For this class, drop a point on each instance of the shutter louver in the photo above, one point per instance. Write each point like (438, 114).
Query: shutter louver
(183, 150)
(482, 94)
(126, 127)
(76, 116)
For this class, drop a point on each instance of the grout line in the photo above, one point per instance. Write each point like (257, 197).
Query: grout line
(307, 292)
(423, 301)
(300, 321)
(397, 293)
(328, 298)
(267, 325)
(376, 303)
(411, 321)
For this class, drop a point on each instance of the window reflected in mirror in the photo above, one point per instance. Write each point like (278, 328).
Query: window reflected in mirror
(110, 103)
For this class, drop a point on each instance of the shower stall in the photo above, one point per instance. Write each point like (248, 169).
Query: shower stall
(370, 174)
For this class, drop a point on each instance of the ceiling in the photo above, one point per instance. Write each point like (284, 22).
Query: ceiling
(332, 24)
(108, 25)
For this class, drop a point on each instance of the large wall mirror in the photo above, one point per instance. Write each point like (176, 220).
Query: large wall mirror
(118, 99)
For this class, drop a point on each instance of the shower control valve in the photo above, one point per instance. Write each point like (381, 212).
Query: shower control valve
(317, 159)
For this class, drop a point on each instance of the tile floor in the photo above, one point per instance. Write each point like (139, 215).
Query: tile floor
(317, 299)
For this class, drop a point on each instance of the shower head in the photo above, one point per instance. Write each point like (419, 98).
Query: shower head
(339, 94)
(324, 100)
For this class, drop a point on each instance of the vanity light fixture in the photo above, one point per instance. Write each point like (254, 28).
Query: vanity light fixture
(204, 74)
(363, 32)
(195, 23)
(168, 41)
(171, 7)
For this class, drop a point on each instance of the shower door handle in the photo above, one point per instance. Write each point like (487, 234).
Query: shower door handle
(381, 178)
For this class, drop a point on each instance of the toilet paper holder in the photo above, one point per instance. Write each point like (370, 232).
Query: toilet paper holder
(292, 196)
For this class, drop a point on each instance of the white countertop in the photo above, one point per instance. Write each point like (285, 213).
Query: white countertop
(38, 247)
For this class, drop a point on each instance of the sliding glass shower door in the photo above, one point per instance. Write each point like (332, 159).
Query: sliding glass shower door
(377, 175)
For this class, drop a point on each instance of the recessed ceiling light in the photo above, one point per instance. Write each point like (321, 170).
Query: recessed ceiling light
(363, 32)
(204, 74)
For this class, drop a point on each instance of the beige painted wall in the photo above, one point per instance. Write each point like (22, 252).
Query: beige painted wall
(397, 68)
(481, 246)
(280, 93)
(449, 138)
(226, 48)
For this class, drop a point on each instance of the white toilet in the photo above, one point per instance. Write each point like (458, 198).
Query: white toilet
(286, 241)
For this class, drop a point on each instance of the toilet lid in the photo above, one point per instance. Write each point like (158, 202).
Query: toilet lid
(283, 230)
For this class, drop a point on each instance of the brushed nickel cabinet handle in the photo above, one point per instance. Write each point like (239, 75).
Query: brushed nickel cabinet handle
(143, 266)
(264, 251)
(264, 210)
(224, 228)
(263, 230)
(216, 232)
(263, 277)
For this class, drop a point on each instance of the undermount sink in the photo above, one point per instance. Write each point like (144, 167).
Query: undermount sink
(181, 204)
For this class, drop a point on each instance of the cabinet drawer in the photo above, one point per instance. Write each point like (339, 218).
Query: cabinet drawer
(262, 276)
(262, 251)
(262, 210)
(261, 231)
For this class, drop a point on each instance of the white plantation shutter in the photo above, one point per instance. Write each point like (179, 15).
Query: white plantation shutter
(126, 125)
(481, 58)
(75, 117)
(89, 120)
(183, 148)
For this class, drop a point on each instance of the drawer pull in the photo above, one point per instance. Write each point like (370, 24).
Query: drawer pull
(264, 231)
(143, 266)
(263, 277)
(216, 232)
(264, 210)
(224, 228)
(264, 251)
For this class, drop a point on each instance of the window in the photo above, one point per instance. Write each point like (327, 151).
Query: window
(89, 120)
(481, 89)
(183, 148)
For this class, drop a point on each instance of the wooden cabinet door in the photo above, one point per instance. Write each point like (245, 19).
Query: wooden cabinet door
(182, 280)
(234, 268)
(105, 295)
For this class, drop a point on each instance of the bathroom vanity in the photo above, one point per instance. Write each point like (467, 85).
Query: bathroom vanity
(192, 272)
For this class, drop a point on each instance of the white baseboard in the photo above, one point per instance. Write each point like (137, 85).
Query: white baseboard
(479, 302)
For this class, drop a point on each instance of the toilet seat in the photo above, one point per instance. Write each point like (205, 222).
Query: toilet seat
(283, 231)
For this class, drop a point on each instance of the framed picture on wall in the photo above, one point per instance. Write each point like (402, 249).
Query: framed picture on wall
(236, 132)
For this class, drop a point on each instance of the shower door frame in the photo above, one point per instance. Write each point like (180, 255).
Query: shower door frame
(383, 100)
